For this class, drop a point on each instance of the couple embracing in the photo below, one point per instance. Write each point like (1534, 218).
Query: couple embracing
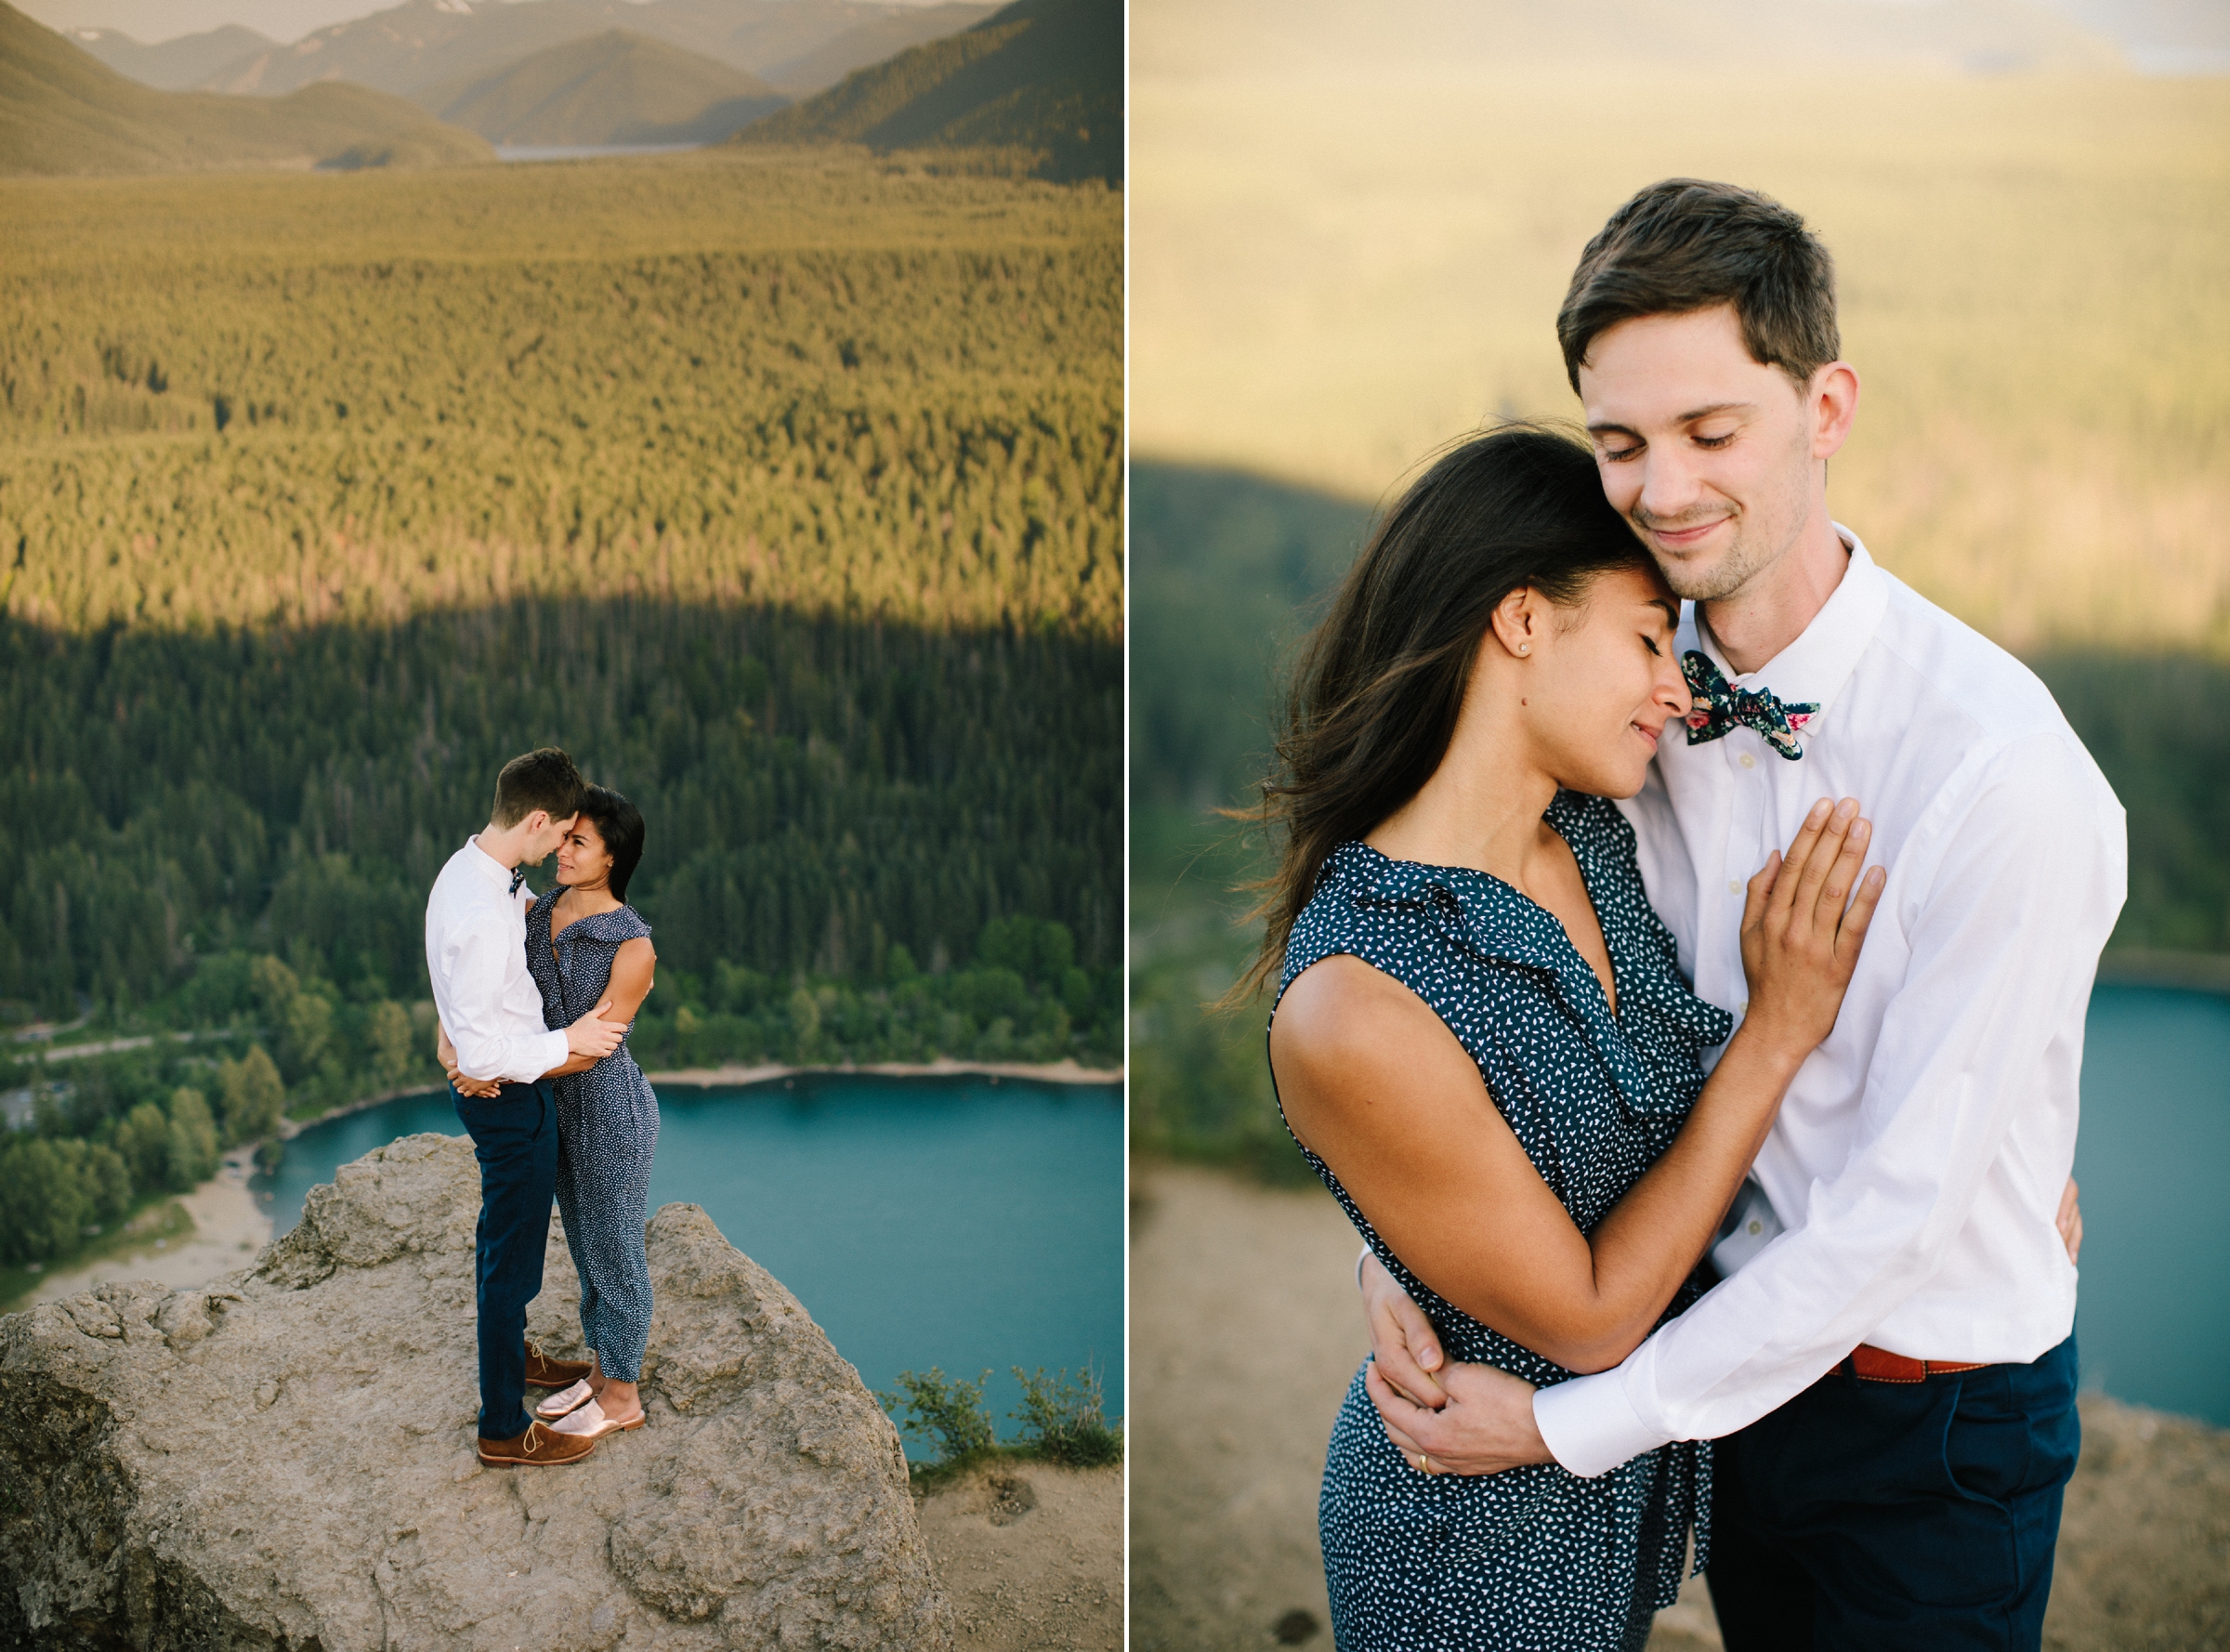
(1683, 939)
(535, 998)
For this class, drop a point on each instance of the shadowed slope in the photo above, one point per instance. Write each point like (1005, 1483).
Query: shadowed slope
(869, 42)
(1039, 75)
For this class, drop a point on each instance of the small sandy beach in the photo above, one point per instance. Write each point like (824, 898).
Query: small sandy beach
(229, 1229)
(1244, 1333)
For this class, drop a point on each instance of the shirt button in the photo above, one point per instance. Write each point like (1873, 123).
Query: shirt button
(1749, 761)
(1734, 885)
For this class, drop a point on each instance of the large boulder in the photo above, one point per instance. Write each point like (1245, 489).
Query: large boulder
(284, 1462)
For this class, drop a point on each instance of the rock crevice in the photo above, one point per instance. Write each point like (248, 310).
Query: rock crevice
(283, 1460)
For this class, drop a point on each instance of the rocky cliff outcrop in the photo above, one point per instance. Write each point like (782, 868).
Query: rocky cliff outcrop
(283, 1461)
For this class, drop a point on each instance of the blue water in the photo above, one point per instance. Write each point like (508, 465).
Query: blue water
(956, 1223)
(2153, 1315)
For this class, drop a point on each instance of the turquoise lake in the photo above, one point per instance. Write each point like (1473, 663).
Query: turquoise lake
(960, 1222)
(966, 1225)
(2153, 1316)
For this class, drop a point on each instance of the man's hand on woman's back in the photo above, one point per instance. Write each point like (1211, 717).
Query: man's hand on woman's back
(1411, 1379)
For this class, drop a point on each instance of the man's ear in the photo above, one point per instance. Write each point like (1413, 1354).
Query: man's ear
(1832, 403)
(536, 820)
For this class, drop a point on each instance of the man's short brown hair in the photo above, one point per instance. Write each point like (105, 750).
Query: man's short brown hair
(541, 780)
(1685, 245)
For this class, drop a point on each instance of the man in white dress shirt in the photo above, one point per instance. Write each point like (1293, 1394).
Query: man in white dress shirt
(1889, 1364)
(476, 953)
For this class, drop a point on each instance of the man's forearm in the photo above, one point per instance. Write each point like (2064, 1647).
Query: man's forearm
(511, 1060)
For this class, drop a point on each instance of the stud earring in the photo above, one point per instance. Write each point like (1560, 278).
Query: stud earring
(1525, 648)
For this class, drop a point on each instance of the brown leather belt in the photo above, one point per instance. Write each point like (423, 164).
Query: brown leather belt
(1871, 1364)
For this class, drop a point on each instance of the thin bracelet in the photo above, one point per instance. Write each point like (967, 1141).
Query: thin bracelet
(1361, 1256)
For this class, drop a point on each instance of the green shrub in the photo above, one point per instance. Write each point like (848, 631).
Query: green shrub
(947, 1411)
(1065, 1419)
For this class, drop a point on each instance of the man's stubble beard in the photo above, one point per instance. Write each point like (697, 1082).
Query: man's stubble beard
(1757, 545)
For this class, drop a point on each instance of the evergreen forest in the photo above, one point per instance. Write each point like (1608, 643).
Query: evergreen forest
(783, 493)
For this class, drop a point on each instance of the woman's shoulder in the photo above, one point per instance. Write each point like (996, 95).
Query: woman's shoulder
(1375, 907)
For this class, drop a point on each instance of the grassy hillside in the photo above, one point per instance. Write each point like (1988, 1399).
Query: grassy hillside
(1043, 77)
(613, 88)
(871, 43)
(63, 112)
(178, 65)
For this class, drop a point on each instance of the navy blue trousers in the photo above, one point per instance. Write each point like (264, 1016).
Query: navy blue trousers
(1878, 1514)
(514, 1138)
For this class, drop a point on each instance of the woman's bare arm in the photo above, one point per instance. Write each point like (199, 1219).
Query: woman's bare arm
(633, 969)
(1379, 1088)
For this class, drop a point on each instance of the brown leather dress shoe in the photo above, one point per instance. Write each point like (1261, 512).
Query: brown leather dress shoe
(544, 1372)
(538, 1447)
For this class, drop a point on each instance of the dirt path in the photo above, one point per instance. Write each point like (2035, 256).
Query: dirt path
(1031, 1556)
(229, 1229)
(1244, 1334)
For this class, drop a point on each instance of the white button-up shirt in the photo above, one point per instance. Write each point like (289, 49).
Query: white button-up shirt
(476, 951)
(1917, 1160)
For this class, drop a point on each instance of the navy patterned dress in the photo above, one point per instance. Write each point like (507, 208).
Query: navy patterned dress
(607, 1133)
(1534, 1559)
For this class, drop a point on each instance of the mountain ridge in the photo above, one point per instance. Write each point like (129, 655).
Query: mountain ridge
(62, 111)
(408, 47)
(1039, 76)
(176, 65)
(616, 88)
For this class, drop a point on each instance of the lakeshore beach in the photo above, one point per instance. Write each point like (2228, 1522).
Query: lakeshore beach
(229, 1226)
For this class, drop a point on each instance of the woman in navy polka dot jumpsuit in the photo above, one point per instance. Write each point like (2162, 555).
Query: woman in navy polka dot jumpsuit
(1483, 1040)
(585, 945)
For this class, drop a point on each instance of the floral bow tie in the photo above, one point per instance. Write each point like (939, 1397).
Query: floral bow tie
(518, 873)
(1720, 705)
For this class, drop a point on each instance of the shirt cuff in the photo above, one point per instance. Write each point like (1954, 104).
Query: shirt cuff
(548, 1052)
(1589, 1424)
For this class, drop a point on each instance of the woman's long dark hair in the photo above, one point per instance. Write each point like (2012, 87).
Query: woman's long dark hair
(620, 824)
(1374, 696)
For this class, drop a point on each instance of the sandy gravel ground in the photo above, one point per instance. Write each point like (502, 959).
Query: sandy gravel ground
(1244, 1334)
(1031, 1556)
(229, 1229)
